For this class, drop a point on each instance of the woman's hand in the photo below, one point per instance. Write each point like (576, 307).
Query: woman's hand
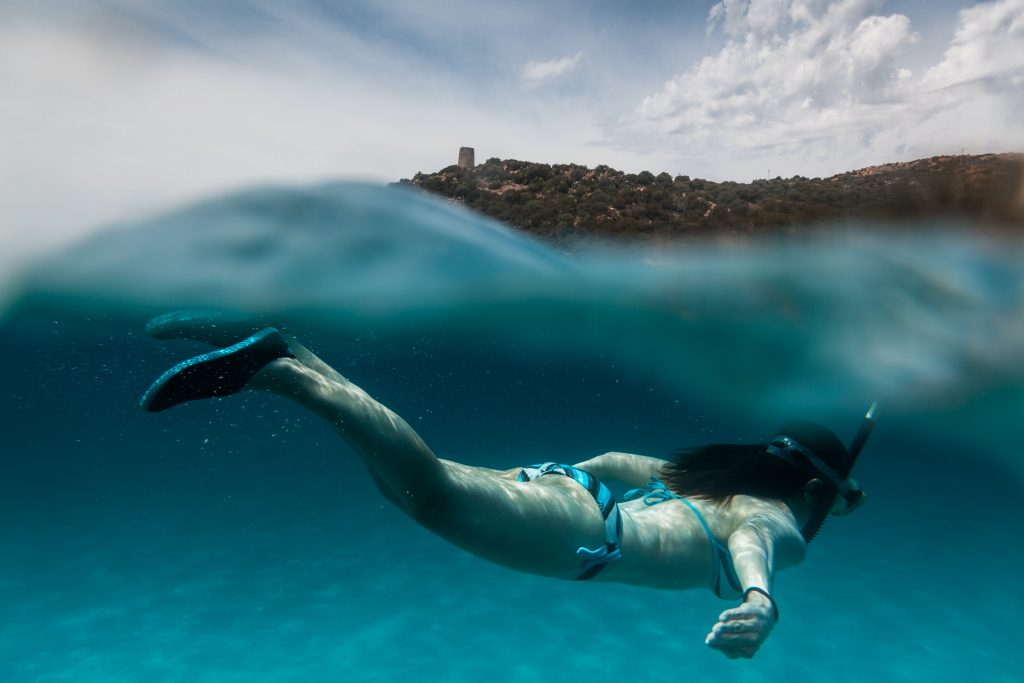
(741, 630)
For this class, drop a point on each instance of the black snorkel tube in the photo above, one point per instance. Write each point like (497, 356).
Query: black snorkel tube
(852, 494)
(857, 445)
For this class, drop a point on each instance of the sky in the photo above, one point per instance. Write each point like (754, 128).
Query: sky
(114, 109)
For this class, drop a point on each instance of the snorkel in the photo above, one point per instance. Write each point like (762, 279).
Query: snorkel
(820, 455)
(866, 425)
(854, 495)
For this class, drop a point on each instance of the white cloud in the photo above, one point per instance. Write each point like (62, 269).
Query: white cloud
(738, 17)
(817, 87)
(988, 46)
(112, 109)
(538, 73)
(833, 72)
(101, 126)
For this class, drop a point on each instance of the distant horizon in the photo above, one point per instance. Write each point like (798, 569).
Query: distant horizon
(569, 205)
(725, 180)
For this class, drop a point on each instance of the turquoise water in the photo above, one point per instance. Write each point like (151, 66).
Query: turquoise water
(239, 540)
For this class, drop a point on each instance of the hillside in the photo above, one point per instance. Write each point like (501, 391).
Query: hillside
(563, 203)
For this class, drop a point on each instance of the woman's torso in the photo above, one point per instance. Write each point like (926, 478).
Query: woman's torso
(666, 546)
(663, 545)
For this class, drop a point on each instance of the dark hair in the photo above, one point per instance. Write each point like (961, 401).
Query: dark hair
(720, 471)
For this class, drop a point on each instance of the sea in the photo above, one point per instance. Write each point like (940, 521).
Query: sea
(239, 539)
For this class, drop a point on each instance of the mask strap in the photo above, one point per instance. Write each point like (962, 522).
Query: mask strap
(783, 447)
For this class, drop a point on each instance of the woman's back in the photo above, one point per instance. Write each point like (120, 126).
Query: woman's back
(666, 545)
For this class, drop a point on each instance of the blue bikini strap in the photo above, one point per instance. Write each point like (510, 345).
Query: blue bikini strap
(656, 492)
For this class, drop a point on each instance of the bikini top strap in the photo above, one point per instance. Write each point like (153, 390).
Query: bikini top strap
(657, 492)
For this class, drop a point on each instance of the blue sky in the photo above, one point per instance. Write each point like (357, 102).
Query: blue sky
(119, 107)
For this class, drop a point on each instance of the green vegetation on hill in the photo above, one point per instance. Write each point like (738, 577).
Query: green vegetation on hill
(567, 202)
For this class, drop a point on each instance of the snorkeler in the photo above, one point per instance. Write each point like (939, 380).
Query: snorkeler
(720, 516)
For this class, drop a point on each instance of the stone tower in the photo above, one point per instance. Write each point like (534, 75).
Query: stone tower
(466, 157)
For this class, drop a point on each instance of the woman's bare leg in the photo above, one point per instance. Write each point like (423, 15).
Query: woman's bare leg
(224, 328)
(395, 453)
(534, 527)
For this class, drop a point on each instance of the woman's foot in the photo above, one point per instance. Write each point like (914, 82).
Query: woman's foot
(218, 373)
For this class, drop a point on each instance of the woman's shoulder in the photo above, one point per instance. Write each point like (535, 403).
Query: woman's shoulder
(752, 505)
(765, 513)
(773, 520)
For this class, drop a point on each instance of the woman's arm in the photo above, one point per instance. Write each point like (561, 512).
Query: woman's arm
(630, 469)
(766, 541)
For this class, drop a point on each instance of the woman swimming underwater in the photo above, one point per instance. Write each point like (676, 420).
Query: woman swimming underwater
(724, 516)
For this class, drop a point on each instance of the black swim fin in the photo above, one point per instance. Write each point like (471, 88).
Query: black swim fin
(218, 373)
(219, 328)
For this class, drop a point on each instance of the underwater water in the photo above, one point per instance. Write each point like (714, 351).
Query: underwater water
(240, 539)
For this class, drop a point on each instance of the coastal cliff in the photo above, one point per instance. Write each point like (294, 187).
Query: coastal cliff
(567, 202)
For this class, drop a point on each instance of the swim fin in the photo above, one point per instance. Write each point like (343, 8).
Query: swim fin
(219, 328)
(218, 373)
